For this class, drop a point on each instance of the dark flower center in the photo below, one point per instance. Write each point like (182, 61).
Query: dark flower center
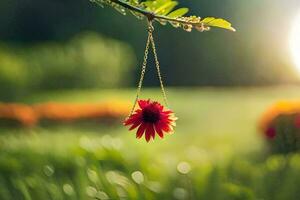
(151, 114)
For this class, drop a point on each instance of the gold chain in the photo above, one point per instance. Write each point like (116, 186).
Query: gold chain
(144, 65)
(158, 70)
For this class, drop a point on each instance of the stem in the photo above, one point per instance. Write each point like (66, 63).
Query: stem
(151, 15)
(148, 14)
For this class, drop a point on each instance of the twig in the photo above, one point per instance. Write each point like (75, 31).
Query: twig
(151, 15)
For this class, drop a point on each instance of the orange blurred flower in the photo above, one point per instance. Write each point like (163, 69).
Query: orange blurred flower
(277, 109)
(19, 112)
(72, 111)
(30, 115)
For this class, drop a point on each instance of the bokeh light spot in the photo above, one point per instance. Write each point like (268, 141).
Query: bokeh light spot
(184, 167)
(138, 177)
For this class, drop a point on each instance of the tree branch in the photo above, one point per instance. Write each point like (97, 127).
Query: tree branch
(186, 22)
(151, 15)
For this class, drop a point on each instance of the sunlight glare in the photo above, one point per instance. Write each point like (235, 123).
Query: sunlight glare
(295, 41)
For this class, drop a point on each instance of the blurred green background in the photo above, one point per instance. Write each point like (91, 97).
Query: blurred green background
(219, 84)
(33, 34)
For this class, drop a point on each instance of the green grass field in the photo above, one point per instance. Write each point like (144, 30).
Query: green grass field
(215, 153)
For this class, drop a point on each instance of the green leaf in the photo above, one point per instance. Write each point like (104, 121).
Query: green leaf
(163, 12)
(217, 22)
(166, 8)
(153, 5)
(178, 13)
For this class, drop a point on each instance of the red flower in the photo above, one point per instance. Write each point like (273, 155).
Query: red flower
(151, 118)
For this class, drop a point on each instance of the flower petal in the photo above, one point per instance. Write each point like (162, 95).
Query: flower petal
(141, 130)
(143, 103)
(167, 112)
(152, 131)
(159, 131)
(148, 132)
(136, 124)
(165, 127)
(132, 119)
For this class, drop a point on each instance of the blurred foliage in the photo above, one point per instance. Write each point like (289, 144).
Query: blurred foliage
(106, 168)
(280, 125)
(14, 77)
(286, 130)
(257, 54)
(88, 60)
(209, 156)
(164, 12)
